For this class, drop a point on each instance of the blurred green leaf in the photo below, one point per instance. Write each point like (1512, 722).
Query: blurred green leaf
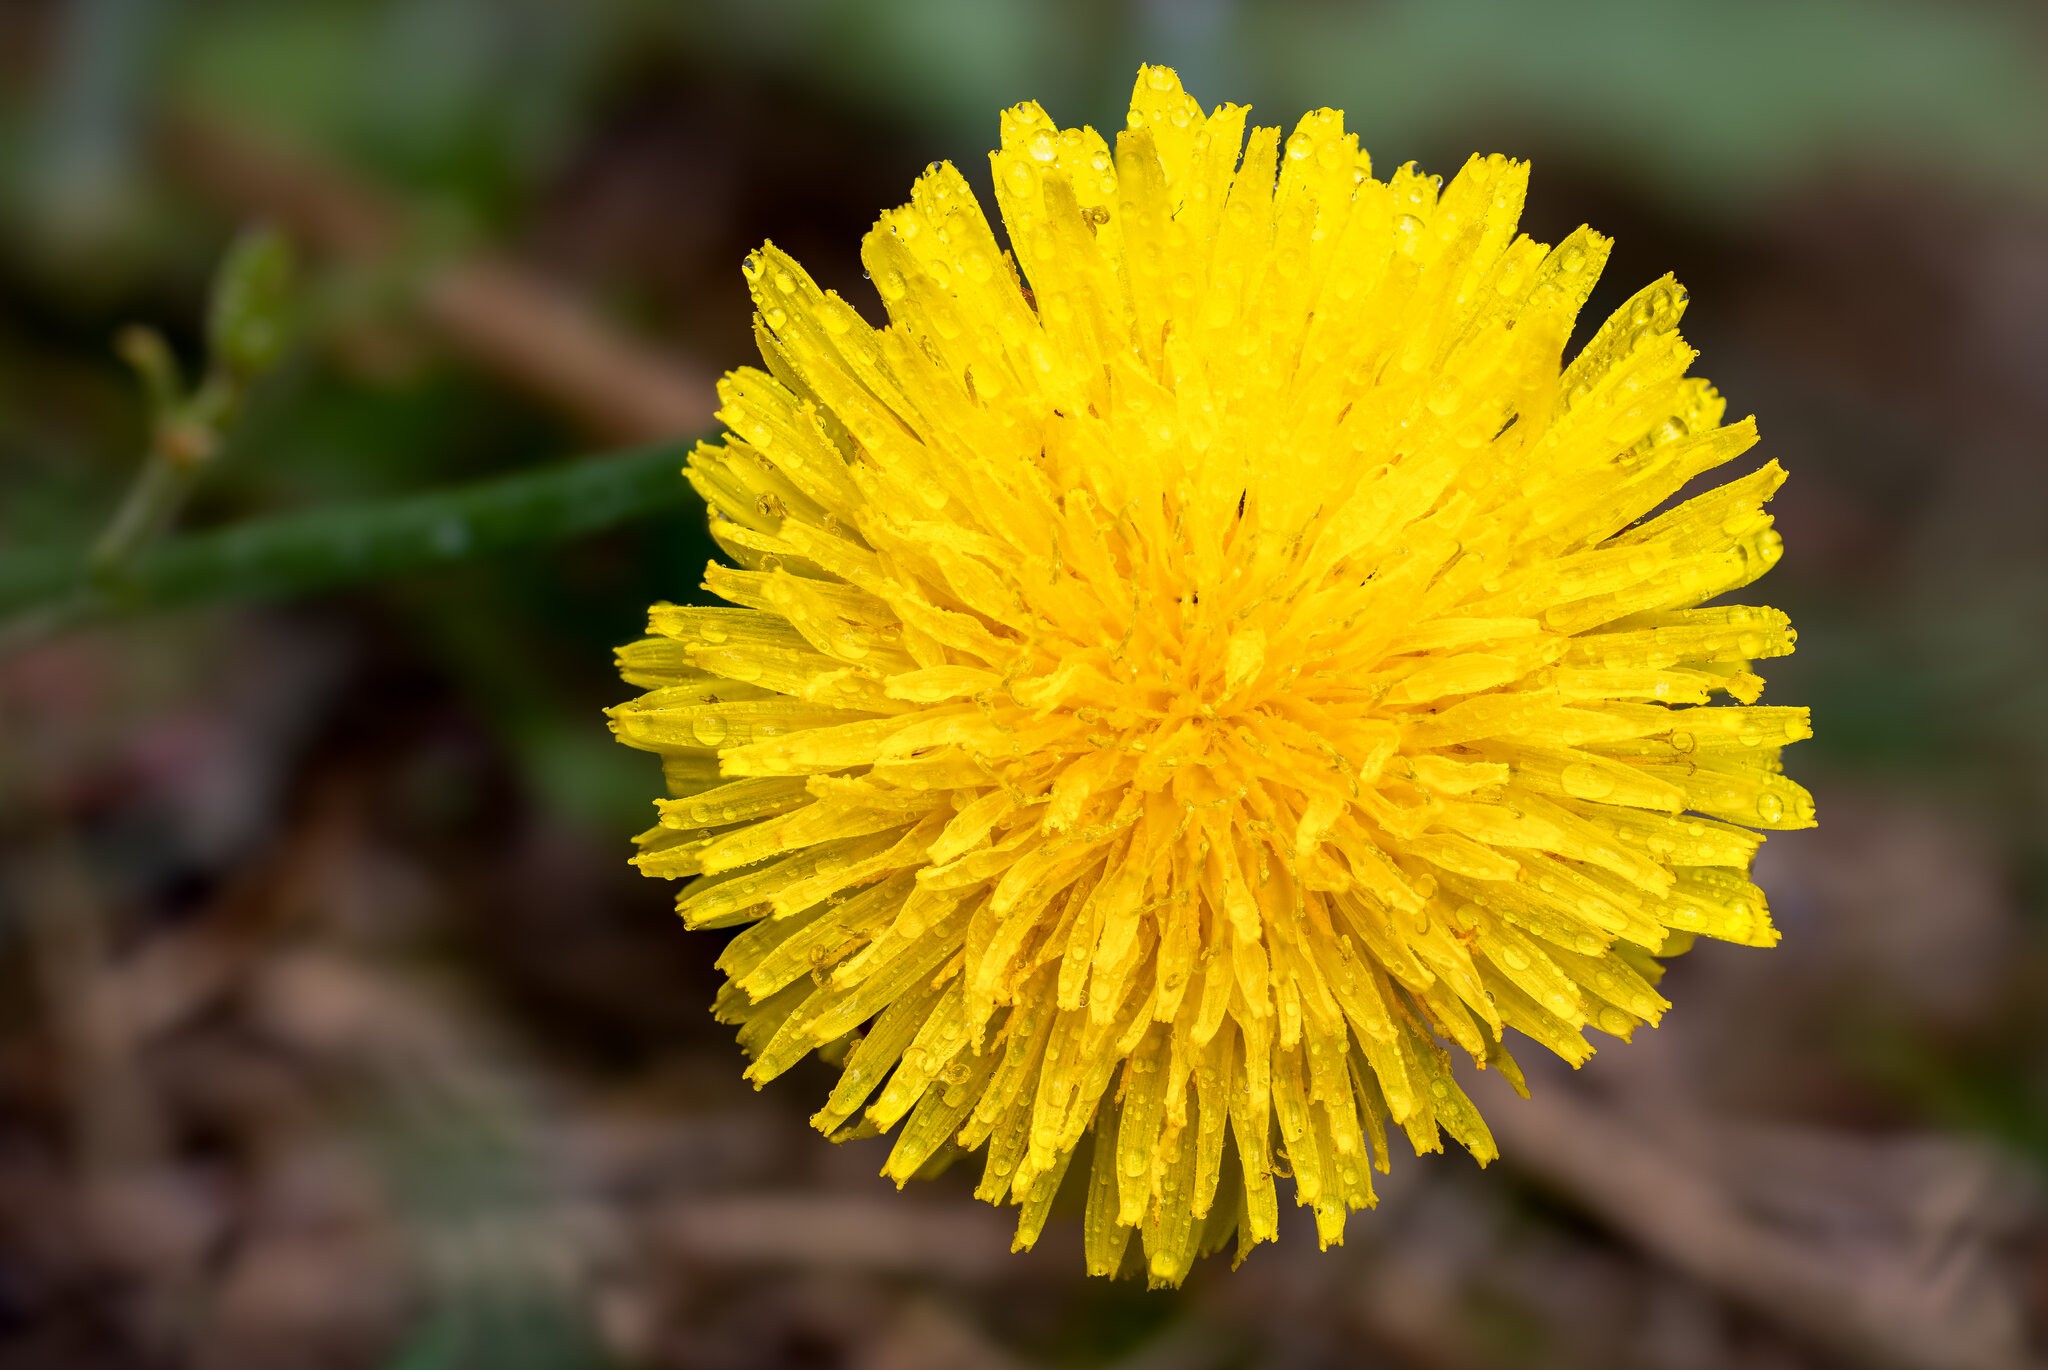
(1716, 108)
(468, 101)
(296, 554)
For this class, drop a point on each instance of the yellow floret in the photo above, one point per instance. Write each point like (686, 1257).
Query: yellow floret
(1185, 699)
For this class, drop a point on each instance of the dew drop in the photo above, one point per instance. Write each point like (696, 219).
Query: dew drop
(709, 729)
(1582, 781)
(1668, 432)
(1769, 807)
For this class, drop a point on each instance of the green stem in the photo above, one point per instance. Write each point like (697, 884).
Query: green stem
(296, 554)
(152, 498)
(160, 486)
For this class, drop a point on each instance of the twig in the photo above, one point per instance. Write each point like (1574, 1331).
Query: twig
(113, 1122)
(448, 1124)
(127, 1206)
(488, 306)
(1671, 1211)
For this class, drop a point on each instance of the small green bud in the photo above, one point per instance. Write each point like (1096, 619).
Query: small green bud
(249, 323)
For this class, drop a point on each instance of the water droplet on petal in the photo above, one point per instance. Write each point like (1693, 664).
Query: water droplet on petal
(1582, 781)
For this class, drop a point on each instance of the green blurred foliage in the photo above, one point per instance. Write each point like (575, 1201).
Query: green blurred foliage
(1713, 106)
(470, 99)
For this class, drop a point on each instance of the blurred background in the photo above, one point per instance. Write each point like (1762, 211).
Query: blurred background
(336, 1032)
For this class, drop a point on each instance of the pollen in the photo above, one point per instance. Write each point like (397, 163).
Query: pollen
(1207, 662)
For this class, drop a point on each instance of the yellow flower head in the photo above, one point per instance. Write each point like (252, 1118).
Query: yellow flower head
(1178, 698)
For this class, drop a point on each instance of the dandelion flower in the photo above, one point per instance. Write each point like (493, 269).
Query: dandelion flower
(1191, 676)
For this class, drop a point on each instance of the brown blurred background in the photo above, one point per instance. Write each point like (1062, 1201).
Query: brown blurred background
(335, 1030)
